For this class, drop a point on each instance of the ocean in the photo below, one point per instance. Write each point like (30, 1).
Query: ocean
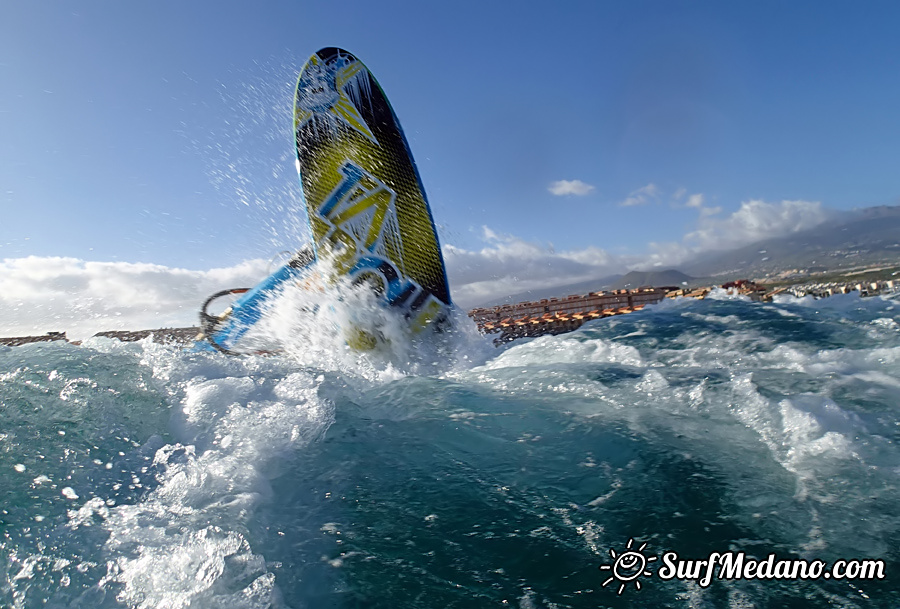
(461, 474)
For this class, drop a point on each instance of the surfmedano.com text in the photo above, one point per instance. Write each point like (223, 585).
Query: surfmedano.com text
(735, 565)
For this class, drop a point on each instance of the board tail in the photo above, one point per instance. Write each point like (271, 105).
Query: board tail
(222, 332)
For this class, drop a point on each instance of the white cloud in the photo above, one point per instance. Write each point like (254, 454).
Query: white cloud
(641, 196)
(508, 264)
(753, 221)
(570, 187)
(695, 201)
(41, 294)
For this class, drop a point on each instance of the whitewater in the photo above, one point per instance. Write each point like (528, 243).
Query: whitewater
(458, 474)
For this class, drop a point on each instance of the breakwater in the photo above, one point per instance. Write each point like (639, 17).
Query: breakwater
(559, 315)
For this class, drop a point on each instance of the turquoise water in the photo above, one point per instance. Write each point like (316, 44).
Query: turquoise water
(138, 475)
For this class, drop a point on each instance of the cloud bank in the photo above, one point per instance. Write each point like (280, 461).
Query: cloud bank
(563, 188)
(41, 294)
(753, 221)
(508, 264)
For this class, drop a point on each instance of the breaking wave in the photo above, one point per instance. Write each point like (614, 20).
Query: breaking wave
(447, 472)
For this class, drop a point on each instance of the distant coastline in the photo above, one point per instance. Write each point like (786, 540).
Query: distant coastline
(178, 336)
(567, 313)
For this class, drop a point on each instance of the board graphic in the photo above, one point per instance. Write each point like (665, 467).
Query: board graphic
(365, 201)
(366, 206)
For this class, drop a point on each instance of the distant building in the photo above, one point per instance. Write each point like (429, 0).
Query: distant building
(559, 315)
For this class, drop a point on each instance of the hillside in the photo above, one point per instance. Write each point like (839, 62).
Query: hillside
(856, 238)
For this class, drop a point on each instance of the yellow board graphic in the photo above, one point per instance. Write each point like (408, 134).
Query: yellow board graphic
(365, 201)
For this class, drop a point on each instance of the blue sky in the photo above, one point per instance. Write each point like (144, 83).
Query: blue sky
(160, 132)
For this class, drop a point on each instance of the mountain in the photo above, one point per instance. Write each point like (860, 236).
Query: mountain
(637, 279)
(855, 238)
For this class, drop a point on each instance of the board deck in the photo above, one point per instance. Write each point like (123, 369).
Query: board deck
(365, 200)
(367, 211)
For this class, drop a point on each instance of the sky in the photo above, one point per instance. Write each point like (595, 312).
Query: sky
(557, 142)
